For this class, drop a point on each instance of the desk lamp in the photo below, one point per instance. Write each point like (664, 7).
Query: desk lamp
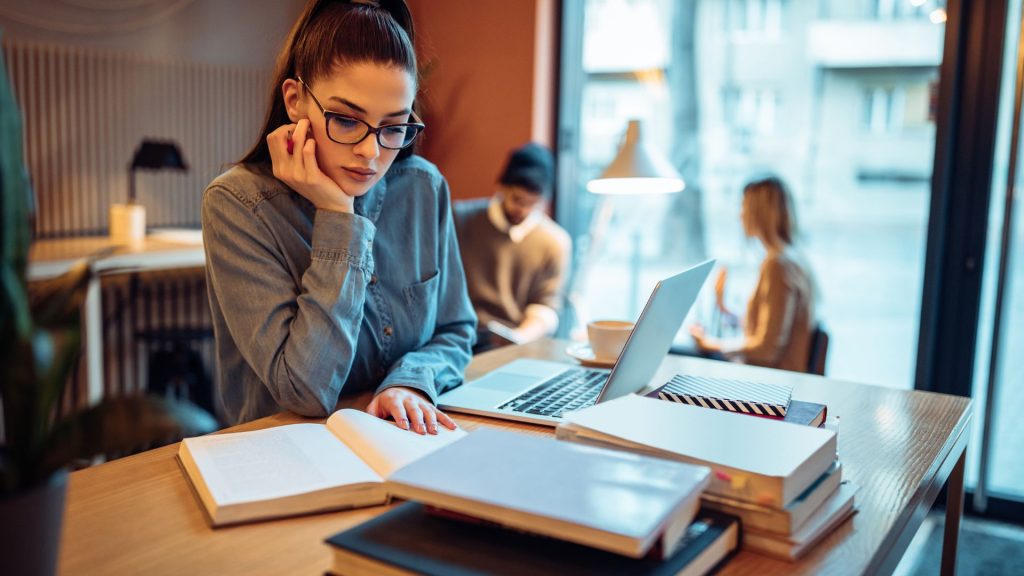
(637, 169)
(128, 221)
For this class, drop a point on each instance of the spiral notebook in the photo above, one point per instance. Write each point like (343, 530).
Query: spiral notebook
(755, 398)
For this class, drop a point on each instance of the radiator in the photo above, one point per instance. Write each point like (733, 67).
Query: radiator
(87, 109)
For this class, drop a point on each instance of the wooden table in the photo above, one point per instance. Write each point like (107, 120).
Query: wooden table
(161, 251)
(137, 515)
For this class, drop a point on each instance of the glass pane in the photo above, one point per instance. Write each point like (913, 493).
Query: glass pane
(835, 96)
(1005, 467)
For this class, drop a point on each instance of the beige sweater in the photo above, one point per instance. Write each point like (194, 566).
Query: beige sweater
(504, 276)
(780, 315)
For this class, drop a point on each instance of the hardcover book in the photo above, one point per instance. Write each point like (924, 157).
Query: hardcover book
(408, 540)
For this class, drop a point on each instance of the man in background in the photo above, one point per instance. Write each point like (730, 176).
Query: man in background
(516, 257)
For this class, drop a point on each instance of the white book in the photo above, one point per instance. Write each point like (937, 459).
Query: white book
(607, 499)
(833, 512)
(302, 468)
(755, 460)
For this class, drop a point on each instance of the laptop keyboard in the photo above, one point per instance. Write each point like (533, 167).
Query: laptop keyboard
(571, 390)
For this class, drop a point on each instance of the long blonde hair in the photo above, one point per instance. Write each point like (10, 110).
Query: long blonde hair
(769, 212)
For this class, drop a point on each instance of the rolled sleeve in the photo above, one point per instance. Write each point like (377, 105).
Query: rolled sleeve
(420, 378)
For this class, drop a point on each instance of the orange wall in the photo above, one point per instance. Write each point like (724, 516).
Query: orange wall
(489, 84)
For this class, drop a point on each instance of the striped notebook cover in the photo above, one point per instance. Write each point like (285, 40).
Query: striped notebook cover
(755, 398)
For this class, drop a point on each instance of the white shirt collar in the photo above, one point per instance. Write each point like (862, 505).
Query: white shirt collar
(516, 232)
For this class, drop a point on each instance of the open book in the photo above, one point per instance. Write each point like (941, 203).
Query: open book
(302, 468)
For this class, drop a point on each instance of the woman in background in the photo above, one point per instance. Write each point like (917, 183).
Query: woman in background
(332, 261)
(780, 314)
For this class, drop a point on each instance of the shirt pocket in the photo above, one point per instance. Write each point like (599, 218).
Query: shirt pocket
(421, 299)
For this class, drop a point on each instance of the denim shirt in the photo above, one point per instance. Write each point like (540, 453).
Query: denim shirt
(308, 304)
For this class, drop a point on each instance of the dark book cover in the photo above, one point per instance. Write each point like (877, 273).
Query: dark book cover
(409, 538)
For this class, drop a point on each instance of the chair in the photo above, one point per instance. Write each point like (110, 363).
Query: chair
(819, 350)
(176, 365)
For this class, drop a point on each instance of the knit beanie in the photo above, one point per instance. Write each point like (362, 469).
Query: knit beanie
(530, 166)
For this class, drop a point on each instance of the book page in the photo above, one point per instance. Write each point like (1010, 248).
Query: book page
(276, 462)
(382, 444)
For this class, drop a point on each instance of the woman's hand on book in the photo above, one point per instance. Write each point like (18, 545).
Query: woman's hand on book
(410, 408)
(293, 155)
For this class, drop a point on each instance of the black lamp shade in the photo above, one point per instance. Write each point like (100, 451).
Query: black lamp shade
(157, 154)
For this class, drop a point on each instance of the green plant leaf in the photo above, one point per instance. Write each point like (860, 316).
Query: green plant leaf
(56, 353)
(120, 425)
(18, 386)
(15, 216)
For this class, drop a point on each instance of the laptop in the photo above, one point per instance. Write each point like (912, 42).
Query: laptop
(539, 391)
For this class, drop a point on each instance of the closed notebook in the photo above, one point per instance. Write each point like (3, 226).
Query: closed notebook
(756, 398)
(617, 501)
(301, 468)
(756, 460)
(408, 540)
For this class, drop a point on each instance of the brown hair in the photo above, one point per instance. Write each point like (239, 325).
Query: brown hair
(332, 33)
(770, 211)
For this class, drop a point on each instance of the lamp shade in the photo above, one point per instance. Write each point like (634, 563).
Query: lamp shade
(158, 154)
(637, 169)
(154, 155)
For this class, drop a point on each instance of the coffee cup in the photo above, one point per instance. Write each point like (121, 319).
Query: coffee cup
(607, 338)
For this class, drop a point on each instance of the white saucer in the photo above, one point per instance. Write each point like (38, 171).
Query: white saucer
(581, 351)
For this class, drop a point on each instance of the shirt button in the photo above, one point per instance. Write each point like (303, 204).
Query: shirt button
(373, 280)
(388, 331)
(380, 372)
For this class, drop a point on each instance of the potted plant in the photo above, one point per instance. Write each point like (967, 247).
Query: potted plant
(39, 346)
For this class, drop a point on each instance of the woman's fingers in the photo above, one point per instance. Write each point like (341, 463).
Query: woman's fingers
(445, 420)
(430, 419)
(393, 407)
(299, 144)
(412, 409)
(277, 145)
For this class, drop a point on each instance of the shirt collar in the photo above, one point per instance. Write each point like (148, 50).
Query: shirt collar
(516, 232)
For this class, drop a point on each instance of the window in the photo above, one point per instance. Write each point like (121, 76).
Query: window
(722, 110)
(894, 9)
(754, 17)
(883, 109)
(750, 110)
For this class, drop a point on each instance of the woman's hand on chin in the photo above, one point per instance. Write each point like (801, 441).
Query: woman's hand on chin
(293, 156)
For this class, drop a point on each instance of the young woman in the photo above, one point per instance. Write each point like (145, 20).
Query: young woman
(332, 261)
(780, 314)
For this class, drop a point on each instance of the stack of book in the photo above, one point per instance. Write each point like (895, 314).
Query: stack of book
(783, 480)
(499, 502)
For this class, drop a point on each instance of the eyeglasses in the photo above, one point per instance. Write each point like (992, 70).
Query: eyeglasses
(350, 130)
